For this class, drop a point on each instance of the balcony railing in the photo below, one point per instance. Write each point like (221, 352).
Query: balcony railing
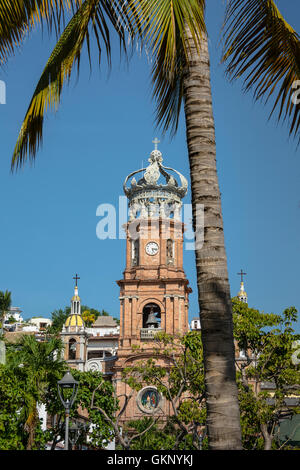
(149, 333)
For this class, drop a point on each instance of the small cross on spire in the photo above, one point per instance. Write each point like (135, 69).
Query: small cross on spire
(155, 142)
(76, 279)
(242, 274)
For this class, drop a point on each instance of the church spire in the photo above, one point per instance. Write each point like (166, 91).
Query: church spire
(75, 301)
(242, 294)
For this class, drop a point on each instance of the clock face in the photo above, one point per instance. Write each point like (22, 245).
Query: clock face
(152, 248)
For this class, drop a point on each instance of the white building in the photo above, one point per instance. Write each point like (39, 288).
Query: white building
(195, 324)
(41, 323)
(15, 313)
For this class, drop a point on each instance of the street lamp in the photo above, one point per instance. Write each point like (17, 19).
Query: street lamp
(77, 430)
(64, 385)
(200, 435)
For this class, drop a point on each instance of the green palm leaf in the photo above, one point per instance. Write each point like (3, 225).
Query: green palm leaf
(262, 45)
(90, 17)
(162, 26)
(19, 16)
(168, 94)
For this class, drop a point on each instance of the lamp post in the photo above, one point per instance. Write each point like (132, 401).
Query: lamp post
(64, 385)
(199, 435)
(76, 431)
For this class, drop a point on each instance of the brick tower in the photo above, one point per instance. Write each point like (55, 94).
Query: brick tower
(154, 289)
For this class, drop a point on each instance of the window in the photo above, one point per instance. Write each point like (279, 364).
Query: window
(95, 354)
(99, 354)
(170, 251)
(135, 248)
(151, 316)
(72, 349)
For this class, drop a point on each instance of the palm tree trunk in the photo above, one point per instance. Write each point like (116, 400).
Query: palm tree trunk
(223, 418)
(30, 426)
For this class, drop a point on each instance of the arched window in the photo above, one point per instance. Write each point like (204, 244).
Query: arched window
(151, 316)
(135, 255)
(170, 251)
(72, 349)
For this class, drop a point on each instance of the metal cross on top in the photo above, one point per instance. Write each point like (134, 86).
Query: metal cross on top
(242, 274)
(76, 279)
(155, 142)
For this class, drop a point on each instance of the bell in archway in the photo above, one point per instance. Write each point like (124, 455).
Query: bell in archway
(152, 321)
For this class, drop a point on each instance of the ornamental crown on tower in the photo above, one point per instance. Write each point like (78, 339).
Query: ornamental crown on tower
(156, 190)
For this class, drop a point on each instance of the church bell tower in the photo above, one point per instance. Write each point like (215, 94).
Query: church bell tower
(74, 335)
(154, 289)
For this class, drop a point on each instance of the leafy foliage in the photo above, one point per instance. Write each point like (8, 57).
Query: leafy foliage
(90, 18)
(263, 47)
(161, 437)
(100, 432)
(30, 378)
(20, 16)
(5, 303)
(267, 342)
(258, 43)
(12, 398)
(33, 365)
(58, 319)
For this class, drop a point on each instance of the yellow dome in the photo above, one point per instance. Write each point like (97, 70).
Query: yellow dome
(75, 297)
(242, 293)
(74, 320)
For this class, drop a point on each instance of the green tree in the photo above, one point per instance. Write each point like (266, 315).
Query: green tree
(12, 398)
(99, 431)
(155, 438)
(35, 364)
(58, 318)
(259, 45)
(267, 343)
(162, 436)
(5, 303)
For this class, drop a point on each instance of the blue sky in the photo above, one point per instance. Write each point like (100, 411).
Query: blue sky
(102, 131)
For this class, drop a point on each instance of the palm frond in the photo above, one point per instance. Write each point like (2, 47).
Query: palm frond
(90, 17)
(18, 17)
(162, 27)
(5, 301)
(162, 24)
(168, 93)
(258, 42)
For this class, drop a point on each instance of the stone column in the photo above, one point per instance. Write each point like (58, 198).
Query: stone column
(134, 332)
(121, 320)
(127, 321)
(175, 314)
(169, 322)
